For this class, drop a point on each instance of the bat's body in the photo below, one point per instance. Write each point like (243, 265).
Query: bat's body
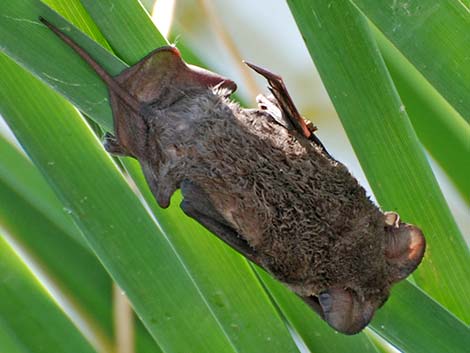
(269, 186)
(262, 182)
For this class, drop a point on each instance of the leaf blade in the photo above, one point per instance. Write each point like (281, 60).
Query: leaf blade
(432, 35)
(27, 312)
(444, 133)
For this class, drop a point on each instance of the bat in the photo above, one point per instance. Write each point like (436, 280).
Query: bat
(261, 181)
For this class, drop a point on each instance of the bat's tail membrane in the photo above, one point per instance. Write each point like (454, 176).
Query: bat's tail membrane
(131, 101)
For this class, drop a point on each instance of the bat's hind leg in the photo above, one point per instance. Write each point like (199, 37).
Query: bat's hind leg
(197, 205)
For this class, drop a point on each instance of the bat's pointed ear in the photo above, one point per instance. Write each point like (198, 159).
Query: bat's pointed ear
(208, 78)
(164, 71)
(344, 311)
(404, 246)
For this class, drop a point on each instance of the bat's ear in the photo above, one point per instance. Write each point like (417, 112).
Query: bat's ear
(163, 73)
(344, 311)
(404, 246)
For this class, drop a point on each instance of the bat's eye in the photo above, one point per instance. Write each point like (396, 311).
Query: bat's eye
(325, 301)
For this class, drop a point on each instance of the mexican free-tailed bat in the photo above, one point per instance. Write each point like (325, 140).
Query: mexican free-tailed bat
(261, 181)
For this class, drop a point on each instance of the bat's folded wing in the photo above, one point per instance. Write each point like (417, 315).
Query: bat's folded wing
(291, 118)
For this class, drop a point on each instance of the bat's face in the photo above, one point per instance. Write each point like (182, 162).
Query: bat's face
(349, 309)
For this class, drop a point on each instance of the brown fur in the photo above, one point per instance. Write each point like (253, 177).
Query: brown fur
(303, 212)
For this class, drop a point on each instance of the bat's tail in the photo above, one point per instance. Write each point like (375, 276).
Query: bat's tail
(131, 101)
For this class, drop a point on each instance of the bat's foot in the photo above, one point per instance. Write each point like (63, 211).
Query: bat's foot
(111, 145)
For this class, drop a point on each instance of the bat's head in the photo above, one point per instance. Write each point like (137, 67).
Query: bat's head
(349, 310)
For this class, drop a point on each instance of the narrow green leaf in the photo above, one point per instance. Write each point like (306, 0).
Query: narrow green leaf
(18, 174)
(29, 318)
(31, 44)
(74, 269)
(377, 125)
(127, 28)
(444, 133)
(433, 35)
(137, 255)
(9, 342)
(74, 12)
